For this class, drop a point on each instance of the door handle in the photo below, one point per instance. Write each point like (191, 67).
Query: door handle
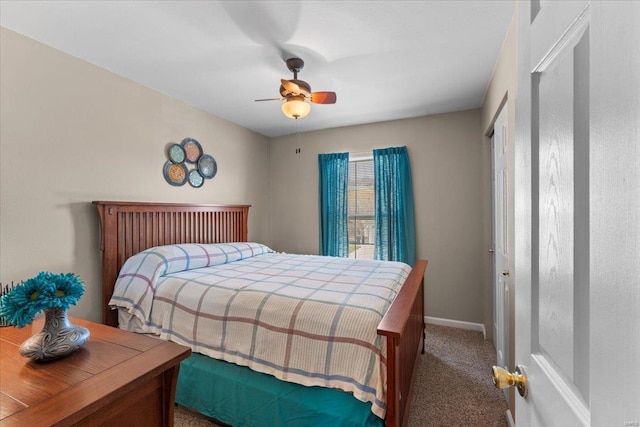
(505, 272)
(504, 379)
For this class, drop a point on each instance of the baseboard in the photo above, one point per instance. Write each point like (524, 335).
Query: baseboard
(457, 324)
(510, 419)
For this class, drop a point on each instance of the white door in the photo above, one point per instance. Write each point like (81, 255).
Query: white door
(577, 213)
(500, 246)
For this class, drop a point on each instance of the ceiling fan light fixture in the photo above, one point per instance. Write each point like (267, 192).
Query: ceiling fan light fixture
(296, 108)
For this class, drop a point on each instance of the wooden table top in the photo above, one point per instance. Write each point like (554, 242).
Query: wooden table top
(110, 362)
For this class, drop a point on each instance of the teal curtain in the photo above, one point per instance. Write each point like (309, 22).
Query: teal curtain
(395, 226)
(334, 173)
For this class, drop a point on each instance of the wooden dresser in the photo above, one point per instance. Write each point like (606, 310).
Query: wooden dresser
(116, 378)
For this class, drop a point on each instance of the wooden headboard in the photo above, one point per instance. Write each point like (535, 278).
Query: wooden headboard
(131, 227)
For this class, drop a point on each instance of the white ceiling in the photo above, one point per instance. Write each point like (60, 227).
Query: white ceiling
(385, 60)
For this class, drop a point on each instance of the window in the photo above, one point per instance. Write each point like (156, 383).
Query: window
(361, 208)
(366, 205)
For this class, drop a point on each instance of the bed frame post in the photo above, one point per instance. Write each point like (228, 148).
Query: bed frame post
(393, 387)
(108, 246)
(403, 327)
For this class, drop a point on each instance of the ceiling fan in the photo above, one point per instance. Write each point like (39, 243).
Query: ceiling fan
(296, 92)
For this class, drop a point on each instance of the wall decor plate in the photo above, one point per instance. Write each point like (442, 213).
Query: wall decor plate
(207, 166)
(192, 149)
(195, 178)
(175, 173)
(176, 153)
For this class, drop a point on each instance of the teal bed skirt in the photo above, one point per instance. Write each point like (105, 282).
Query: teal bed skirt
(240, 397)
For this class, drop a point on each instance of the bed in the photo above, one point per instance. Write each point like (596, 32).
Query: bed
(129, 228)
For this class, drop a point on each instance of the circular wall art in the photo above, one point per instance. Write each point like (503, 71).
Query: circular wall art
(188, 151)
(176, 153)
(207, 166)
(195, 179)
(192, 149)
(175, 173)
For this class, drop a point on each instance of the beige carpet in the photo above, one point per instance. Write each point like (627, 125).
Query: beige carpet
(453, 384)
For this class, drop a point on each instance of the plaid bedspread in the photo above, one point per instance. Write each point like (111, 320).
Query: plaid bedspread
(306, 319)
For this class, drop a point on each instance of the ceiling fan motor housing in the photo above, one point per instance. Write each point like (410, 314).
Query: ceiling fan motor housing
(295, 64)
(305, 88)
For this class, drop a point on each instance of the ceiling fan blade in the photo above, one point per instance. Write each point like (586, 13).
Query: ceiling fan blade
(270, 99)
(290, 87)
(323, 97)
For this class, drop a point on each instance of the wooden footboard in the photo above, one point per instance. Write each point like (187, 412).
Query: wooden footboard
(131, 227)
(403, 326)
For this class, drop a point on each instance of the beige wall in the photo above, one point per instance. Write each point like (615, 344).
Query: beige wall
(501, 91)
(71, 133)
(448, 166)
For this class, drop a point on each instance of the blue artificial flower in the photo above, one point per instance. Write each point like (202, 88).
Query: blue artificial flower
(67, 289)
(42, 292)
